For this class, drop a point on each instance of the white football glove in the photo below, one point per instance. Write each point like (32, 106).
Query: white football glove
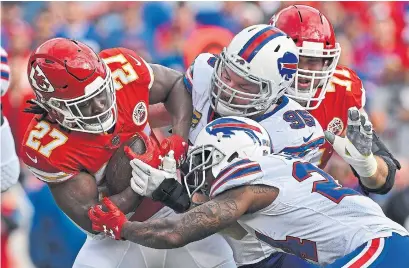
(356, 147)
(146, 179)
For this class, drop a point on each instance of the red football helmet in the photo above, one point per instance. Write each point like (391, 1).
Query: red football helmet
(319, 53)
(74, 85)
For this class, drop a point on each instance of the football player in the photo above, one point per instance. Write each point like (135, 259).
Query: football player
(285, 202)
(249, 79)
(10, 166)
(334, 95)
(86, 106)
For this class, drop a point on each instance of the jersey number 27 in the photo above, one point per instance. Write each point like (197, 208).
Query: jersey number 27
(42, 129)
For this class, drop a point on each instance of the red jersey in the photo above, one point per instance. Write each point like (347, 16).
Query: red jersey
(55, 155)
(344, 90)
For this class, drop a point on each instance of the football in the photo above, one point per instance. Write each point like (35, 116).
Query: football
(118, 171)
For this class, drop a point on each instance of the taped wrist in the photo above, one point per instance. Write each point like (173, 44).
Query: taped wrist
(379, 149)
(172, 194)
(366, 168)
(389, 182)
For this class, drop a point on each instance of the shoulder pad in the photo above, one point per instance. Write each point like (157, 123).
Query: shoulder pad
(346, 80)
(40, 152)
(242, 172)
(200, 72)
(127, 67)
(304, 132)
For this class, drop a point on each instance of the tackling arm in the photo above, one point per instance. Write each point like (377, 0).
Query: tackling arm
(76, 195)
(200, 222)
(168, 87)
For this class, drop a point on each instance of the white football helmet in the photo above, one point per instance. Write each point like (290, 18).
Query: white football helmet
(222, 142)
(260, 54)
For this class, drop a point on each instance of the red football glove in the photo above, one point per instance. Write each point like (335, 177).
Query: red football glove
(178, 145)
(109, 222)
(153, 154)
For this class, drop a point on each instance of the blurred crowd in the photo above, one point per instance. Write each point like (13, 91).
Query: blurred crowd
(374, 38)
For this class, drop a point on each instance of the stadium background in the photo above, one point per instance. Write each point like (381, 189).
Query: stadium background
(374, 37)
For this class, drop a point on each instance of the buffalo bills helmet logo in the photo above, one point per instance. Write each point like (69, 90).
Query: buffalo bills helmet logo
(240, 61)
(287, 65)
(228, 127)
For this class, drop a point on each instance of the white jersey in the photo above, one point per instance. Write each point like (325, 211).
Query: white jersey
(9, 163)
(291, 128)
(312, 217)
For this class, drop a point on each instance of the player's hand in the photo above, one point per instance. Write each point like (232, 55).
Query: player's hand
(109, 222)
(356, 147)
(146, 179)
(176, 144)
(153, 154)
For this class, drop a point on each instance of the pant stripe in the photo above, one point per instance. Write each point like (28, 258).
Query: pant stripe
(368, 255)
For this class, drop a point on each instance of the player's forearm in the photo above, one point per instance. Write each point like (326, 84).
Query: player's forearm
(159, 233)
(177, 231)
(78, 194)
(127, 201)
(377, 180)
(179, 105)
(76, 210)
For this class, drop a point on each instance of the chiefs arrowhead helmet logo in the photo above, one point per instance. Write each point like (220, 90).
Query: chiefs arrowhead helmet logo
(39, 81)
